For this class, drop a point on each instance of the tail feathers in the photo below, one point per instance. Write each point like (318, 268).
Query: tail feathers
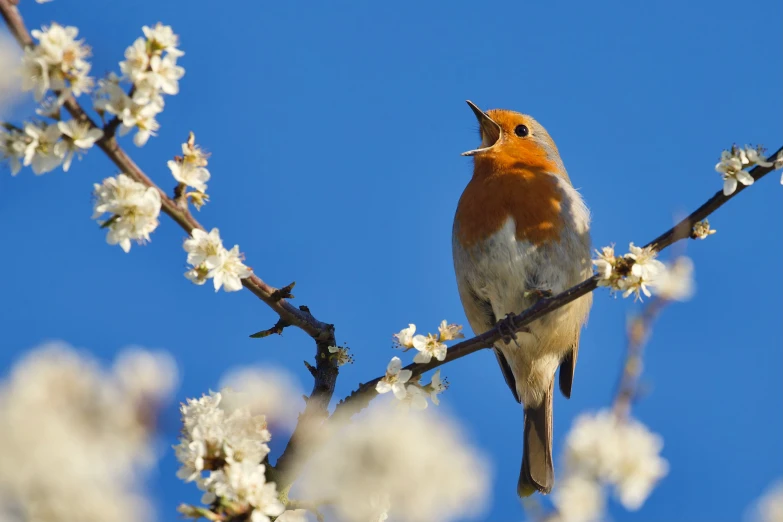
(537, 473)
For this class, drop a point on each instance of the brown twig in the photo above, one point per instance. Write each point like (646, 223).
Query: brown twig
(325, 373)
(360, 398)
(304, 320)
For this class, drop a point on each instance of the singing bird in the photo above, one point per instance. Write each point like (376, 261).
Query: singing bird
(521, 232)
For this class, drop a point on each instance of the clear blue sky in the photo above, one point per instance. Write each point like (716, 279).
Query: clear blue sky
(335, 133)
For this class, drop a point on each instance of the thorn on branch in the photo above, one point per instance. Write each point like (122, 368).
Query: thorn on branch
(278, 328)
(310, 368)
(284, 293)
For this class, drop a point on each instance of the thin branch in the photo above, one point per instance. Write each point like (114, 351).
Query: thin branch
(360, 398)
(318, 330)
(325, 371)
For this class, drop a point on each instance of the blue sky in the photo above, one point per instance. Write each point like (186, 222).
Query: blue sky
(335, 131)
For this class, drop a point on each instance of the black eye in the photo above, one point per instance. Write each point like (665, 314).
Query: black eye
(521, 131)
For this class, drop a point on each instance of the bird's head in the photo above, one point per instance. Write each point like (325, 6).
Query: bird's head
(510, 139)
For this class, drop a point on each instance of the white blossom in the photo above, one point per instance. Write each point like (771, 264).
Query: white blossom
(436, 387)
(579, 499)
(80, 136)
(273, 392)
(145, 375)
(702, 230)
(137, 60)
(162, 38)
(44, 151)
(415, 398)
(632, 274)
(404, 339)
(416, 466)
(164, 73)
(204, 248)
(230, 271)
(428, 347)
(675, 283)
(450, 332)
(212, 261)
(221, 448)
(13, 143)
(731, 168)
(190, 167)
(341, 355)
(134, 210)
(58, 62)
(395, 379)
(213, 435)
(73, 434)
(769, 508)
(622, 453)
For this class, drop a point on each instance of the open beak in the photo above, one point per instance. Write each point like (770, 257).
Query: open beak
(490, 130)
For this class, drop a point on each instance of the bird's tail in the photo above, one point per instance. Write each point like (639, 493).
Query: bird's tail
(537, 473)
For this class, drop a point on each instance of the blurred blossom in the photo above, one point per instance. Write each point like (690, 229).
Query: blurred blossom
(769, 508)
(146, 375)
(75, 436)
(579, 499)
(419, 463)
(293, 515)
(621, 453)
(273, 392)
(676, 282)
(10, 80)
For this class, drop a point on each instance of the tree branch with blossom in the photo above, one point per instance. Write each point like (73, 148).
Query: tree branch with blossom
(360, 398)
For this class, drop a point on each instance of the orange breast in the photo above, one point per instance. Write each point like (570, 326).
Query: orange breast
(528, 194)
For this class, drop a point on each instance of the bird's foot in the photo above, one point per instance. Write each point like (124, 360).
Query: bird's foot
(539, 293)
(508, 329)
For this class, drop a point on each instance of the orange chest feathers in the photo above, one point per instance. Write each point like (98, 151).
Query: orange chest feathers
(531, 197)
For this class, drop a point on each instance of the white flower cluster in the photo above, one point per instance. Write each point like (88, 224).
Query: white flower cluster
(221, 450)
(411, 393)
(76, 437)
(733, 162)
(413, 467)
(152, 74)
(604, 450)
(210, 260)
(639, 270)
(46, 146)
(190, 170)
(57, 63)
(431, 345)
(134, 210)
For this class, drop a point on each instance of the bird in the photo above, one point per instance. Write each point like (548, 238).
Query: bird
(522, 233)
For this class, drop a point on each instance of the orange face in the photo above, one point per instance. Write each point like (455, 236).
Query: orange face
(512, 140)
(513, 177)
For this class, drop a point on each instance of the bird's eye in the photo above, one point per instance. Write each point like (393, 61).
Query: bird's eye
(521, 131)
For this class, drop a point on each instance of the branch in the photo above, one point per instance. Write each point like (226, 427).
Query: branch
(268, 294)
(360, 398)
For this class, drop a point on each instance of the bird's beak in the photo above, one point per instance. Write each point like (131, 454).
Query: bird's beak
(490, 130)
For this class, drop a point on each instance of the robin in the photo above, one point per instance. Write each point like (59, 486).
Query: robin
(522, 232)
